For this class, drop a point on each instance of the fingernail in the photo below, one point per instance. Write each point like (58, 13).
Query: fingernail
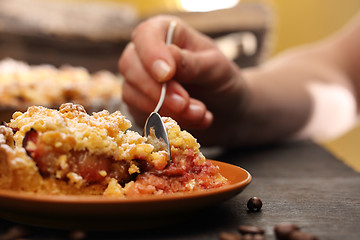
(208, 118)
(178, 102)
(196, 109)
(161, 69)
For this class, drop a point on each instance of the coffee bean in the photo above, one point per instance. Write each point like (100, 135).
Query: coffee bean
(299, 235)
(259, 237)
(229, 236)
(16, 232)
(247, 229)
(283, 230)
(254, 204)
(77, 235)
(247, 237)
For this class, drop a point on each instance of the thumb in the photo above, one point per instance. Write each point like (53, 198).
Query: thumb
(149, 40)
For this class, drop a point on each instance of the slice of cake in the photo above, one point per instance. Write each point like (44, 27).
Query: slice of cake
(67, 151)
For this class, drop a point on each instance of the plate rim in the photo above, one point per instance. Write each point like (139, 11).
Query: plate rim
(113, 213)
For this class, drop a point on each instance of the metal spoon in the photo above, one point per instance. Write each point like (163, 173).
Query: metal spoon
(154, 122)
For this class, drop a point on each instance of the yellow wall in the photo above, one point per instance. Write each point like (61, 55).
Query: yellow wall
(303, 21)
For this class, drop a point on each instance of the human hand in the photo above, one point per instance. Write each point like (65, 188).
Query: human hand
(201, 81)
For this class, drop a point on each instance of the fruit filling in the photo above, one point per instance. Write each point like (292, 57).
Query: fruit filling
(56, 162)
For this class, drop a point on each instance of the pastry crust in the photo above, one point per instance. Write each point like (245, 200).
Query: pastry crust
(67, 151)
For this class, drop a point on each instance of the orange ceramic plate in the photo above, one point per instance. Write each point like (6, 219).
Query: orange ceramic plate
(100, 213)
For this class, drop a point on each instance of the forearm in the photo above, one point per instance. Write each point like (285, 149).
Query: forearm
(309, 92)
(304, 93)
(298, 93)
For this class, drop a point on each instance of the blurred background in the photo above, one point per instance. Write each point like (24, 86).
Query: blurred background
(295, 22)
(93, 33)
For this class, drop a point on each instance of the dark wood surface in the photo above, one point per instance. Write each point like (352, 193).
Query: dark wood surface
(298, 182)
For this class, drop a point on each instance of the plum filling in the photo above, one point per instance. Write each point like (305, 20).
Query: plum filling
(185, 172)
(93, 168)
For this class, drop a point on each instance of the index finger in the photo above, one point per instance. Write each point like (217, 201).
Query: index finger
(149, 39)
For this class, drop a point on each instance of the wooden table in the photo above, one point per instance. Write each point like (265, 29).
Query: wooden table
(298, 182)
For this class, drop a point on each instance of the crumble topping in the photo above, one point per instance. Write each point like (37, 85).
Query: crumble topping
(68, 151)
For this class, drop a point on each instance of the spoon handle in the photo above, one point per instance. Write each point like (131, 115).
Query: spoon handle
(169, 37)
